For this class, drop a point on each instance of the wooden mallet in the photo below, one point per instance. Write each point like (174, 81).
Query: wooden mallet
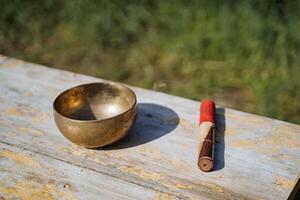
(207, 131)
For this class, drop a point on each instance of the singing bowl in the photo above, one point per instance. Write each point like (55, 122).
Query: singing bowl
(96, 114)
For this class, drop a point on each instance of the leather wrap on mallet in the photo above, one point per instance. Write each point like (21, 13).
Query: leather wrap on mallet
(207, 132)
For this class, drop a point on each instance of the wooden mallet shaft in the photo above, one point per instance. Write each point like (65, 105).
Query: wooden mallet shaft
(207, 131)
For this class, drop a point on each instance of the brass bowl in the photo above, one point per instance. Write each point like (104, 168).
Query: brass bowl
(96, 114)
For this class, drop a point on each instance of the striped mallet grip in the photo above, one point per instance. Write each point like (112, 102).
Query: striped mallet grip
(207, 131)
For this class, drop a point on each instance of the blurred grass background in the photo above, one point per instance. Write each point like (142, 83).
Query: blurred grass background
(244, 54)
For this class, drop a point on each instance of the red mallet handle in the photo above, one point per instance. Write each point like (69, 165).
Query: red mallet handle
(207, 131)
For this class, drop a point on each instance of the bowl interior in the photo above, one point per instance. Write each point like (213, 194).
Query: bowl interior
(96, 101)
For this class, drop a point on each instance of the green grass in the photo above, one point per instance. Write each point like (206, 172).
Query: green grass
(245, 55)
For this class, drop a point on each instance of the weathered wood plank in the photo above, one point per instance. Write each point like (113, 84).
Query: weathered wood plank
(258, 157)
(27, 175)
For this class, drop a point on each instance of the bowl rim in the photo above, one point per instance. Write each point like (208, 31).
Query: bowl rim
(92, 83)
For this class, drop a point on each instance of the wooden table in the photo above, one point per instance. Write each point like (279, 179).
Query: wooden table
(256, 157)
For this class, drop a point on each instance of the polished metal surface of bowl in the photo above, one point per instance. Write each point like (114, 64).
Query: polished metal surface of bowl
(96, 114)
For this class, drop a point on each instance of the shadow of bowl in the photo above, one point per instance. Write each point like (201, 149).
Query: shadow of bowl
(153, 121)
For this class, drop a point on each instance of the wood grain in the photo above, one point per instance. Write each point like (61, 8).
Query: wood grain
(256, 157)
(27, 175)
